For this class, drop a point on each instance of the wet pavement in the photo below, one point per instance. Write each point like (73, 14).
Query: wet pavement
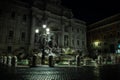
(109, 72)
(48, 73)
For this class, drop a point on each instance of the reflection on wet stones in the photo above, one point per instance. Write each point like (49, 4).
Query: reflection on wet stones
(56, 73)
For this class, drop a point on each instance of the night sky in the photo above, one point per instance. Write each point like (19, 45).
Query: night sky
(92, 10)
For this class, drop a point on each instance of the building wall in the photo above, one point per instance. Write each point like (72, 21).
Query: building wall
(19, 20)
(14, 23)
(106, 32)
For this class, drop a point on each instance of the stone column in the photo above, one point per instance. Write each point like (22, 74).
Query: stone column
(14, 61)
(34, 61)
(4, 60)
(9, 58)
(78, 60)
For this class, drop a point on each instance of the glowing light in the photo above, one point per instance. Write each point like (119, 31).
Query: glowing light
(44, 26)
(37, 31)
(47, 29)
(96, 43)
(47, 32)
(119, 46)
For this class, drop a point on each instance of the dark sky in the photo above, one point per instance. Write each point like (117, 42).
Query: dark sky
(92, 10)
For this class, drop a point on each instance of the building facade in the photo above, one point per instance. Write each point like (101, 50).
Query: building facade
(20, 18)
(104, 35)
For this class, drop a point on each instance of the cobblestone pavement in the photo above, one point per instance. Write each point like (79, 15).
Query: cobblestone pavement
(49, 73)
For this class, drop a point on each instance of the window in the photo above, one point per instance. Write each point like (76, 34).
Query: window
(66, 29)
(118, 41)
(99, 44)
(24, 18)
(111, 35)
(35, 38)
(56, 38)
(23, 36)
(9, 49)
(105, 50)
(105, 43)
(118, 34)
(83, 43)
(10, 35)
(72, 29)
(66, 40)
(78, 36)
(78, 43)
(73, 42)
(112, 48)
(78, 30)
(13, 15)
(104, 37)
(82, 31)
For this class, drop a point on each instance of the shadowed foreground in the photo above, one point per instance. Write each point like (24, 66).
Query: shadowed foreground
(47, 73)
(105, 72)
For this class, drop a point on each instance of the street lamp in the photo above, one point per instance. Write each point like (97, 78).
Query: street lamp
(44, 26)
(37, 31)
(96, 45)
(44, 38)
(47, 31)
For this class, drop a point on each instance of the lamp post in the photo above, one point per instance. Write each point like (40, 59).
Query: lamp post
(43, 40)
(96, 44)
